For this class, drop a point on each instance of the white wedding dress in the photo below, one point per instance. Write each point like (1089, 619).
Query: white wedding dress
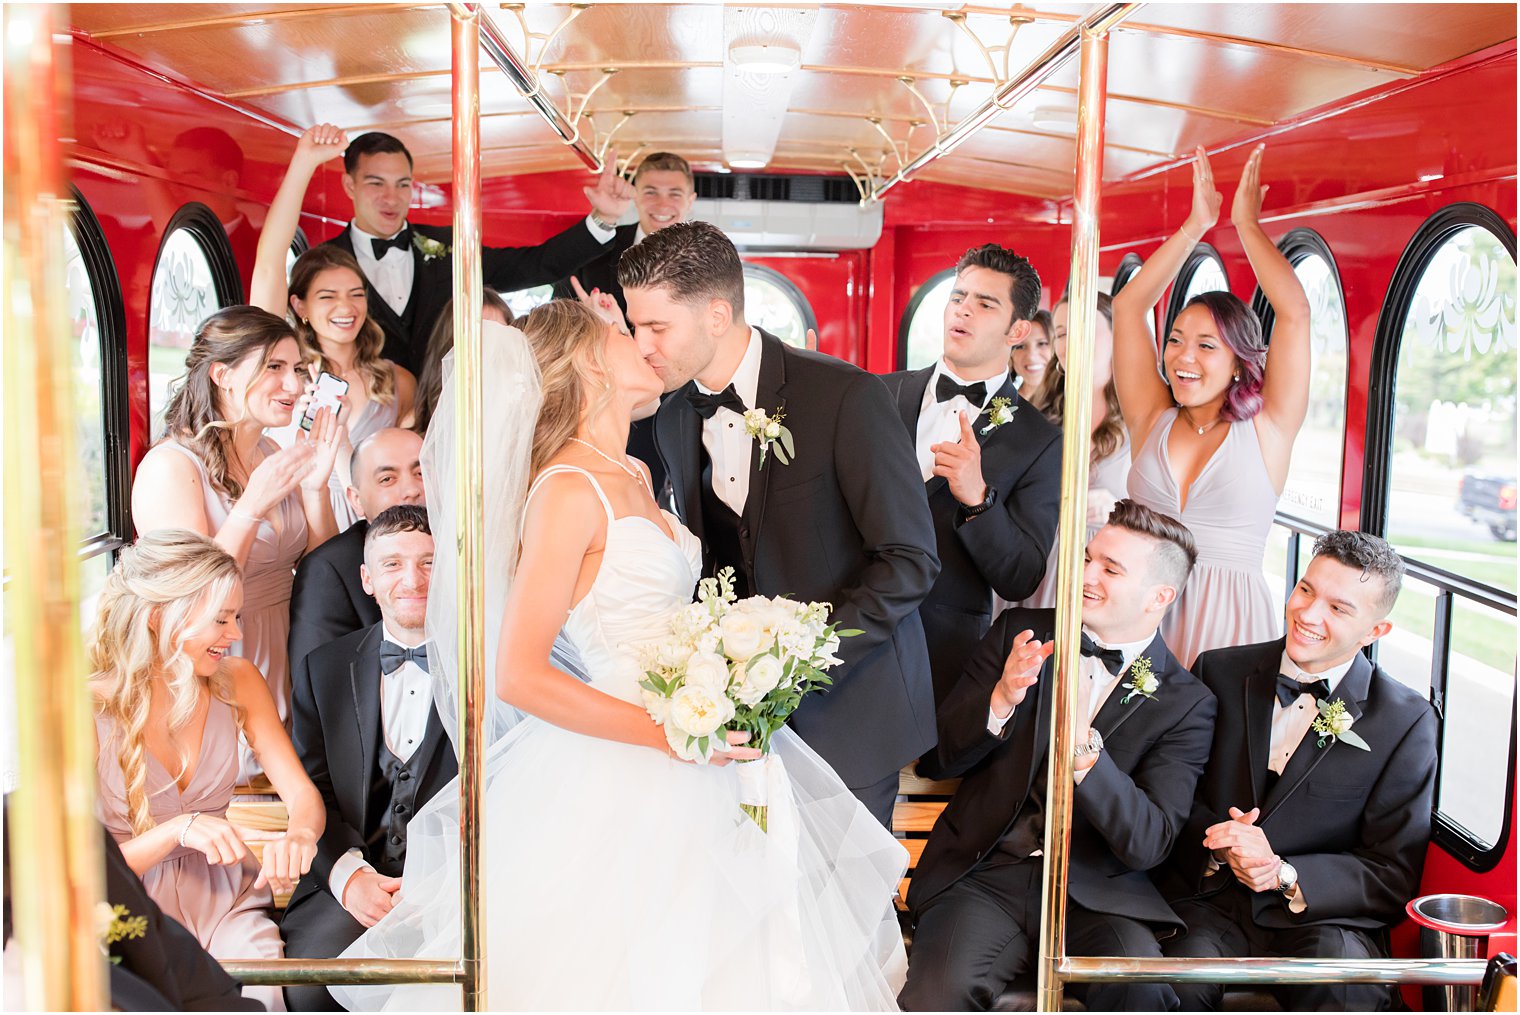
(617, 878)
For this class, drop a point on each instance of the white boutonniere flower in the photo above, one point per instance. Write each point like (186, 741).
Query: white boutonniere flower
(429, 248)
(115, 923)
(1141, 680)
(999, 411)
(771, 435)
(1334, 723)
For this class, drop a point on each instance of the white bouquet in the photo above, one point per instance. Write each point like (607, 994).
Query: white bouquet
(736, 665)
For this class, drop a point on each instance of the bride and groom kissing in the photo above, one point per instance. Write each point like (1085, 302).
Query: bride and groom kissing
(629, 879)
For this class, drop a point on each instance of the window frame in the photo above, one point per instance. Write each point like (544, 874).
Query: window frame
(110, 313)
(1376, 491)
(1201, 253)
(789, 289)
(924, 289)
(1129, 265)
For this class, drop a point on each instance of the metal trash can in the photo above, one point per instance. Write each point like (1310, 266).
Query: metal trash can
(1454, 927)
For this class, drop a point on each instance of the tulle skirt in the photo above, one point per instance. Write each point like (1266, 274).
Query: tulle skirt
(618, 879)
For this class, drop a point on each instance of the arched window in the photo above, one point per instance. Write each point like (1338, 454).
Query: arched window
(298, 246)
(1130, 264)
(921, 339)
(97, 329)
(773, 302)
(194, 277)
(1441, 454)
(524, 301)
(1202, 272)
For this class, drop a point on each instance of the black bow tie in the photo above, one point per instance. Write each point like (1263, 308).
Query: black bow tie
(392, 656)
(706, 404)
(1111, 658)
(402, 241)
(946, 389)
(1289, 688)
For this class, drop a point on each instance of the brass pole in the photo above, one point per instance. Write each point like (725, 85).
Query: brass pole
(1076, 449)
(470, 478)
(57, 876)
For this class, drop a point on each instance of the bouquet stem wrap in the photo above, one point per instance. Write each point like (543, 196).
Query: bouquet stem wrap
(754, 789)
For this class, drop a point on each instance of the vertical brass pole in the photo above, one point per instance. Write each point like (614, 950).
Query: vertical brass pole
(57, 878)
(471, 497)
(1075, 451)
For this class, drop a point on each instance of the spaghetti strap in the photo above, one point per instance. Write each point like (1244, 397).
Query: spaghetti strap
(552, 470)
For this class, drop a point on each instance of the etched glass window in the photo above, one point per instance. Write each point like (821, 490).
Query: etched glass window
(183, 295)
(1313, 490)
(926, 329)
(772, 302)
(1206, 277)
(89, 380)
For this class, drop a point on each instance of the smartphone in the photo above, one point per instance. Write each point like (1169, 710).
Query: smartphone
(326, 394)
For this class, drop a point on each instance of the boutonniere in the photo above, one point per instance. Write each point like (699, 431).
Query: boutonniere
(1334, 723)
(770, 434)
(429, 248)
(1141, 680)
(116, 923)
(999, 411)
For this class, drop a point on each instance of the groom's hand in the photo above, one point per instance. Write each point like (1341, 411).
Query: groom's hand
(961, 465)
(1021, 671)
(368, 896)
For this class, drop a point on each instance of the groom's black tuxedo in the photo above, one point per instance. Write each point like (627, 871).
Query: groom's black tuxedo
(1003, 550)
(337, 731)
(505, 269)
(1129, 809)
(1354, 824)
(846, 521)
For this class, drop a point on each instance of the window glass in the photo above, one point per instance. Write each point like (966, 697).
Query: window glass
(926, 330)
(1479, 709)
(773, 303)
(89, 379)
(1207, 277)
(1313, 490)
(183, 295)
(522, 301)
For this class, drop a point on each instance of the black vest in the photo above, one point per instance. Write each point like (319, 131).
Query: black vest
(1026, 835)
(393, 801)
(720, 533)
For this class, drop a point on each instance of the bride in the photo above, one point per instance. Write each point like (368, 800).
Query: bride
(617, 877)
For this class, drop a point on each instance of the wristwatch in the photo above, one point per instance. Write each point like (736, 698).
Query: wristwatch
(1094, 744)
(1287, 878)
(603, 222)
(969, 512)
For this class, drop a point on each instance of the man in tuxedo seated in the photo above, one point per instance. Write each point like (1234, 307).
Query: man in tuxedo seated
(994, 487)
(408, 270)
(1144, 729)
(1311, 826)
(374, 774)
(328, 599)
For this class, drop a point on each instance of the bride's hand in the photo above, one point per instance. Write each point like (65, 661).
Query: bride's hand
(736, 750)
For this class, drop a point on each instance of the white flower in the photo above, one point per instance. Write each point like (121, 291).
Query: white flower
(744, 634)
(657, 705)
(695, 712)
(709, 671)
(773, 429)
(757, 679)
(105, 916)
(1340, 724)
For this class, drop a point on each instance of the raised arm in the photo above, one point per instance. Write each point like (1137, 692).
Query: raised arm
(269, 290)
(1285, 386)
(1143, 395)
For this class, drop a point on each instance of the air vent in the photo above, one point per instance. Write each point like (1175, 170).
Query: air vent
(773, 187)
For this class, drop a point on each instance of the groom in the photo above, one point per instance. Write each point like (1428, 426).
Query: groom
(844, 521)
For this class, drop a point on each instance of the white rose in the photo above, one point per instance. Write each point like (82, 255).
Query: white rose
(1341, 723)
(754, 419)
(757, 679)
(698, 711)
(657, 705)
(773, 430)
(744, 636)
(709, 671)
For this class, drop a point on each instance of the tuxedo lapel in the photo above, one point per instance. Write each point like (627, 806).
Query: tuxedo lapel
(1007, 391)
(770, 395)
(686, 480)
(364, 680)
(910, 398)
(1260, 691)
(1116, 711)
(1307, 757)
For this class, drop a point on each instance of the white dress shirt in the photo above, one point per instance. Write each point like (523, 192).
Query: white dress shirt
(1291, 724)
(940, 421)
(1097, 682)
(406, 702)
(723, 436)
(392, 274)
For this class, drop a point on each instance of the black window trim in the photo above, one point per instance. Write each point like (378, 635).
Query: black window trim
(1449, 834)
(110, 313)
(1201, 253)
(924, 289)
(789, 288)
(202, 223)
(1129, 265)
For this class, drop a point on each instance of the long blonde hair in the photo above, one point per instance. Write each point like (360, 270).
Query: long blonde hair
(566, 337)
(379, 373)
(1107, 436)
(165, 585)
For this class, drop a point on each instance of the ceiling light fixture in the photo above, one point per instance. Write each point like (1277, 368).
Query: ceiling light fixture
(766, 57)
(747, 160)
(1055, 118)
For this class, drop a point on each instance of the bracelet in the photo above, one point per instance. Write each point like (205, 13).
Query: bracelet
(603, 222)
(246, 516)
(186, 830)
(1191, 238)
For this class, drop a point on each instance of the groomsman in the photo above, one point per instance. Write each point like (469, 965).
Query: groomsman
(845, 520)
(1311, 826)
(409, 270)
(373, 774)
(1145, 723)
(991, 462)
(328, 599)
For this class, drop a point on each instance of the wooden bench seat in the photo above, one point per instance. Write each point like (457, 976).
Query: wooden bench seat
(259, 816)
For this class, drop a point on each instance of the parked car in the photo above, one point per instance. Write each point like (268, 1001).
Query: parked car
(1489, 500)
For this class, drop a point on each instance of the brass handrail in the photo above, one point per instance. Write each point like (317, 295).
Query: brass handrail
(1116, 969)
(343, 972)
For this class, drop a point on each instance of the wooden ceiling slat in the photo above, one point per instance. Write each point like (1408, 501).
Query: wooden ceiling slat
(234, 20)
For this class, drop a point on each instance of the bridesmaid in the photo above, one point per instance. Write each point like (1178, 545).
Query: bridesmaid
(1108, 472)
(1240, 406)
(327, 307)
(1029, 360)
(214, 472)
(169, 704)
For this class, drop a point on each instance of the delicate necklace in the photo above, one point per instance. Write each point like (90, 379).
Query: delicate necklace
(1211, 424)
(638, 477)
